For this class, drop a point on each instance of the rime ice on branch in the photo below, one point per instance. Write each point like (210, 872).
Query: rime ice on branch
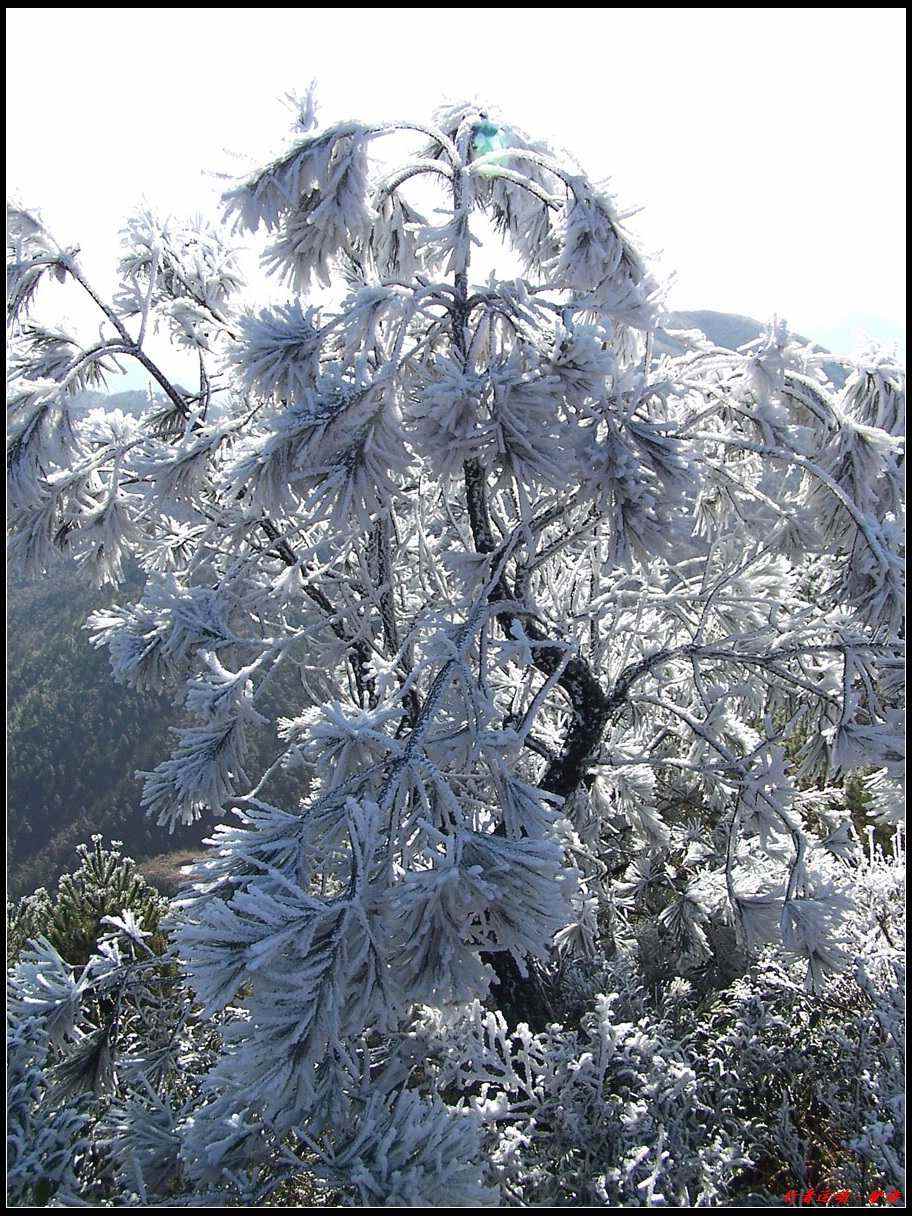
(585, 642)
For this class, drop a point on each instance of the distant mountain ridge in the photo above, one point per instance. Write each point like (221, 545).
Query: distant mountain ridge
(131, 401)
(726, 329)
(731, 330)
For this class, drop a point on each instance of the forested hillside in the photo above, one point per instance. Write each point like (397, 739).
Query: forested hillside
(75, 737)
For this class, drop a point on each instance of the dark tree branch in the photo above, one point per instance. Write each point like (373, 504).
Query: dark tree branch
(360, 652)
(592, 707)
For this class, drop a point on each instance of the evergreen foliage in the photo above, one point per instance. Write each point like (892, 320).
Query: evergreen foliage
(576, 648)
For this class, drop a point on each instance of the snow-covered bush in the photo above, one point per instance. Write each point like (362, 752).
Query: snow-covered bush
(73, 918)
(587, 645)
(637, 1094)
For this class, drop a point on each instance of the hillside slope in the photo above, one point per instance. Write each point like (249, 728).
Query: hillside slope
(75, 738)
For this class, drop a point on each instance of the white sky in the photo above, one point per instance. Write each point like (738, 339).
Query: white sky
(767, 146)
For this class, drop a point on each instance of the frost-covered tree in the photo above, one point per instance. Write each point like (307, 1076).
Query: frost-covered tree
(584, 641)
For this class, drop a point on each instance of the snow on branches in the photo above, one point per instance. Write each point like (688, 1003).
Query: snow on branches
(575, 648)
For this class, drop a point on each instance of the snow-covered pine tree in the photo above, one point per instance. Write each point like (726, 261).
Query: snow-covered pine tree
(584, 641)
